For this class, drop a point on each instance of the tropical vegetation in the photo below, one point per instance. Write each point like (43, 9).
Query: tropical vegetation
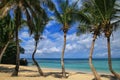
(101, 18)
(95, 16)
(93, 27)
(39, 25)
(6, 35)
(9, 57)
(69, 14)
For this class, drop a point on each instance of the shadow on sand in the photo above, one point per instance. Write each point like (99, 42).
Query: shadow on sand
(46, 74)
(107, 76)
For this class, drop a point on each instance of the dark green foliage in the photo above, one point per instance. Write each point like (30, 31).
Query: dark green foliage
(9, 56)
(6, 29)
(23, 61)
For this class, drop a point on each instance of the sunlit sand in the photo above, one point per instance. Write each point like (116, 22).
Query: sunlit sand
(30, 73)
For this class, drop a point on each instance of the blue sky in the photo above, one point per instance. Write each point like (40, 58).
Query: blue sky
(76, 47)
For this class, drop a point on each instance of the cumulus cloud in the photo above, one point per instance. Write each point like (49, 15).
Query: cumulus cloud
(50, 23)
(51, 45)
(102, 55)
(24, 35)
(101, 48)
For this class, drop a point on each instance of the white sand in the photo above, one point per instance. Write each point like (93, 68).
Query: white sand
(30, 73)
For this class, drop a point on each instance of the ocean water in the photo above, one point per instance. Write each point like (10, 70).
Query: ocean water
(79, 65)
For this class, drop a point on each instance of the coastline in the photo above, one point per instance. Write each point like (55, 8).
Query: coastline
(73, 70)
(30, 73)
(81, 65)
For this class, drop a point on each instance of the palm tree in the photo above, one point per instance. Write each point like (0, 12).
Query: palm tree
(29, 8)
(7, 32)
(67, 15)
(93, 26)
(63, 19)
(104, 12)
(108, 13)
(40, 22)
(96, 33)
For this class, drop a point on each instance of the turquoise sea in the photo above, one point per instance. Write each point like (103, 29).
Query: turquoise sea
(79, 65)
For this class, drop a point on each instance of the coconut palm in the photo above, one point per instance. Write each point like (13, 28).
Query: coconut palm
(94, 27)
(96, 32)
(39, 23)
(65, 19)
(7, 32)
(104, 12)
(108, 12)
(66, 16)
(27, 7)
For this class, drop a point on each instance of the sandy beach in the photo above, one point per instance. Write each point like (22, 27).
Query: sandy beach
(30, 73)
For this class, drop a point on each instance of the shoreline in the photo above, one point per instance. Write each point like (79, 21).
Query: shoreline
(80, 65)
(49, 74)
(73, 70)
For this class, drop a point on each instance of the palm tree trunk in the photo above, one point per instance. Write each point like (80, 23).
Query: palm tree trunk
(109, 60)
(35, 62)
(17, 23)
(97, 77)
(62, 57)
(15, 73)
(3, 50)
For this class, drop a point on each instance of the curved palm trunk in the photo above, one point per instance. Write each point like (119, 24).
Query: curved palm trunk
(97, 77)
(62, 57)
(3, 50)
(35, 62)
(109, 60)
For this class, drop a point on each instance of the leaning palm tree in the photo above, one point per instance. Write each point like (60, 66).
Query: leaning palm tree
(29, 8)
(94, 27)
(108, 12)
(7, 33)
(105, 13)
(39, 24)
(66, 17)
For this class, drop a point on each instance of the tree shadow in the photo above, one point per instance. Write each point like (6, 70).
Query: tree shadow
(6, 69)
(34, 73)
(76, 73)
(110, 77)
(56, 74)
(47, 74)
(11, 69)
(24, 70)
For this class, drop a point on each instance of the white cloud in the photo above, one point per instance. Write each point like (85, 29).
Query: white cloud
(54, 49)
(24, 34)
(102, 55)
(51, 23)
(52, 45)
(101, 48)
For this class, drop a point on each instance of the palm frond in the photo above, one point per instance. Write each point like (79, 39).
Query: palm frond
(104, 8)
(48, 3)
(83, 18)
(5, 6)
(29, 21)
(58, 16)
(82, 29)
